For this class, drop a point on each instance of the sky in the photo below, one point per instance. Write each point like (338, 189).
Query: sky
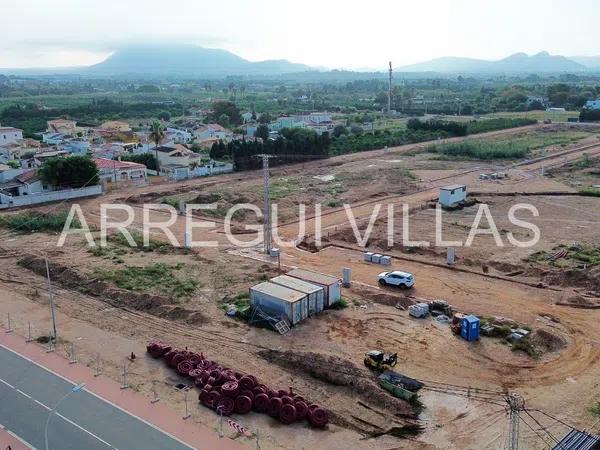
(322, 33)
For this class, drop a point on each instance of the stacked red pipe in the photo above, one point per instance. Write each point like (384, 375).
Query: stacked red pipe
(230, 392)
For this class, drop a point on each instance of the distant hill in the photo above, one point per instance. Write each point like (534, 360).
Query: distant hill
(187, 60)
(591, 62)
(517, 63)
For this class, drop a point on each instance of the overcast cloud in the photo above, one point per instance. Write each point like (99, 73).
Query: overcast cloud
(325, 33)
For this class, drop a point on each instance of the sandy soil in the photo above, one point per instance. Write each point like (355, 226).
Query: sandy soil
(464, 407)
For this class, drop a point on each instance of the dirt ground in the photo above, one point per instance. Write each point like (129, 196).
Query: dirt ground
(109, 306)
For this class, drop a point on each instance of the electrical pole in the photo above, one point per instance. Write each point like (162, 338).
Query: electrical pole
(51, 297)
(267, 205)
(516, 405)
(389, 107)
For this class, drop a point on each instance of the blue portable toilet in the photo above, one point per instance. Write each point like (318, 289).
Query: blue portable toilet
(469, 328)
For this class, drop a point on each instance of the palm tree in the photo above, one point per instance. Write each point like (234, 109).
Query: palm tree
(157, 134)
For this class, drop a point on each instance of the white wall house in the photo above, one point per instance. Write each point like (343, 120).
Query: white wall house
(592, 104)
(452, 195)
(213, 130)
(9, 135)
(113, 171)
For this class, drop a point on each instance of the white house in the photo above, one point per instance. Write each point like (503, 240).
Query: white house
(26, 183)
(452, 195)
(212, 130)
(9, 135)
(113, 171)
(77, 146)
(176, 156)
(592, 104)
(536, 99)
(178, 136)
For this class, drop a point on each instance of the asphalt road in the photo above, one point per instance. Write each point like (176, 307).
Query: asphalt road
(28, 393)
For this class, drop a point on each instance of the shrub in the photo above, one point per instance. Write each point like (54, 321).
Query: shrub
(590, 192)
(34, 221)
(340, 304)
(158, 276)
(480, 150)
(483, 126)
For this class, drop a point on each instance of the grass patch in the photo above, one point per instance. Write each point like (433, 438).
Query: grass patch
(516, 148)
(595, 409)
(35, 221)
(342, 303)
(479, 150)
(500, 123)
(154, 245)
(590, 192)
(525, 346)
(242, 302)
(158, 277)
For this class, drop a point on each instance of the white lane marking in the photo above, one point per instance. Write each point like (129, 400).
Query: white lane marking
(56, 413)
(23, 393)
(83, 429)
(17, 437)
(6, 383)
(175, 438)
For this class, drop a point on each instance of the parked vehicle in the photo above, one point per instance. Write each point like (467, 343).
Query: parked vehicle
(396, 278)
(378, 360)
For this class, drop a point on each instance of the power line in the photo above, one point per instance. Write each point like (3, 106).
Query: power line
(535, 431)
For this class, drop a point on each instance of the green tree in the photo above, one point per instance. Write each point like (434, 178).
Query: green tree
(146, 159)
(73, 171)
(223, 120)
(262, 132)
(265, 118)
(13, 164)
(164, 115)
(227, 108)
(339, 130)
(157, 134)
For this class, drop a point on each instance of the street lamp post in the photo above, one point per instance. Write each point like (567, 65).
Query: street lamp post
(73, 390)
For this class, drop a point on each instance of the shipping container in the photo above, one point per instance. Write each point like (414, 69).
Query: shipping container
(332, 285)
(314, 292)
(280, 301)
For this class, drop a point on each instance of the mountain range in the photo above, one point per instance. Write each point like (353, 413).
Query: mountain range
(187, 60)
(195, 61)
(542, 62)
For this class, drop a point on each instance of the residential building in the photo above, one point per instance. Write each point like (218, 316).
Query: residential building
(178, 136)
(592, 104)
(287, 122)
(62, 126)
(178, 156)
(26, 183)
(114, 171)
(77, 146)
(39, 158)
(53, 138)
(16, 150)
(9, 135)
(536, 99)
(212, 130)
(116, 126)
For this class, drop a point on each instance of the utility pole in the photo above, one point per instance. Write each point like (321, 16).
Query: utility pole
(516, 404)
(389, 106)
(267, 204)
(51, 297)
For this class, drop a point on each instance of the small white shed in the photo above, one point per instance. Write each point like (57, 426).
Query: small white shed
(452, 195)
